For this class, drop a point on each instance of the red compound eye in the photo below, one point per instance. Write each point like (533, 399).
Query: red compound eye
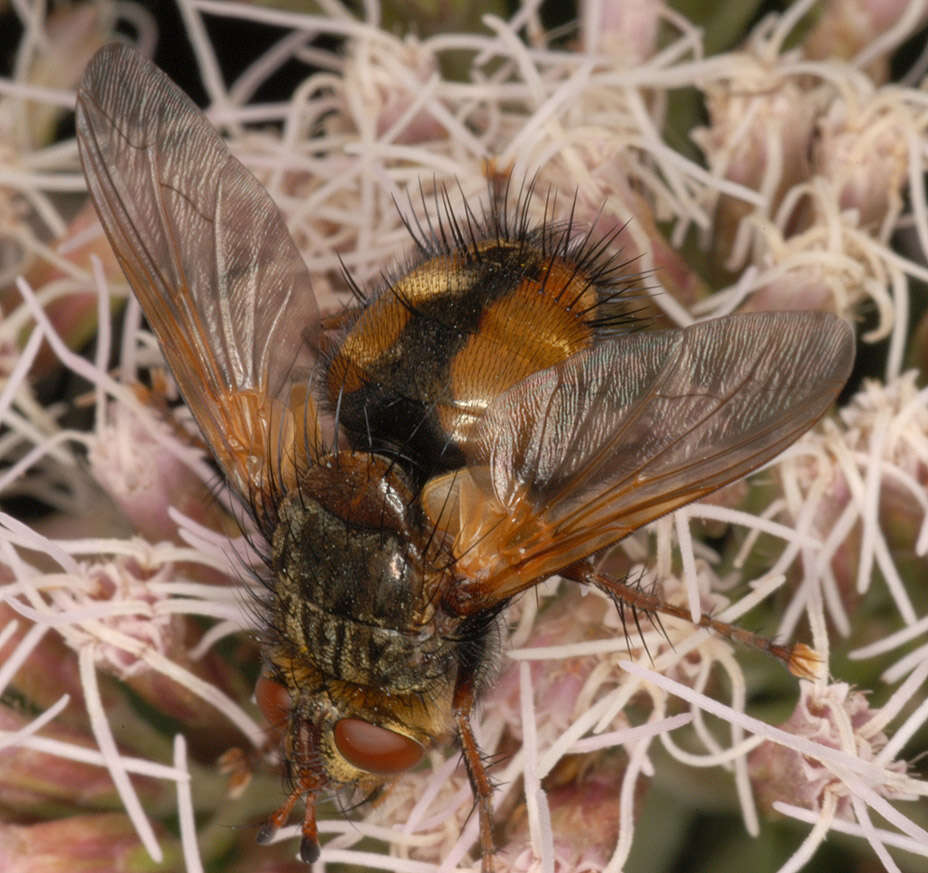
(374, 748)
(273, 700)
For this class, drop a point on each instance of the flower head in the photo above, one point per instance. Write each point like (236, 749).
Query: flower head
(127, 645)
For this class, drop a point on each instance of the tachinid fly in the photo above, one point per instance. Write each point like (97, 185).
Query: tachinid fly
(485, 420)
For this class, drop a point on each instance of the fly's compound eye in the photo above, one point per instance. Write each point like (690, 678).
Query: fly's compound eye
(273, 700)
(375, 749)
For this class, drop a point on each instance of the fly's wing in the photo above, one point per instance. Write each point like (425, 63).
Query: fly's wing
(208, 255)
(575, 457)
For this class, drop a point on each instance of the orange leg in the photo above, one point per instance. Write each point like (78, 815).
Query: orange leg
(479, 780)
(309, 845)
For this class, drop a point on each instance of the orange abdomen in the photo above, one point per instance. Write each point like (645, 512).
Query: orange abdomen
(422, 359)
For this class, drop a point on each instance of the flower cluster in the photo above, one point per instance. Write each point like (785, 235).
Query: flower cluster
(127, 645)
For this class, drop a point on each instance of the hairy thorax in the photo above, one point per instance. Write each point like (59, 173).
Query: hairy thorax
(351, 591)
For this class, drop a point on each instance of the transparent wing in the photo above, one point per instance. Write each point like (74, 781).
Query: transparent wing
(575, 457)
(208, 255)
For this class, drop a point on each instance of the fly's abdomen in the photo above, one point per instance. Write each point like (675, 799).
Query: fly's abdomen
(426, 356)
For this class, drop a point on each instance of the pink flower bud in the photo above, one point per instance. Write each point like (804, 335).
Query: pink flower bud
(863, 151)
(626, 31)
(37, 783)
(844, 28)
(583, 799)
(825, 715)
(759, 135)
(104, 842)
(384, 82)
(71, 36)
(144, 464)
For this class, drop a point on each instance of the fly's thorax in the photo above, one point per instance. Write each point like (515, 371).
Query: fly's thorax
(352, 586)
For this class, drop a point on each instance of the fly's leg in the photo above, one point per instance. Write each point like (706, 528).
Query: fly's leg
(462, 705)
(801, 660)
